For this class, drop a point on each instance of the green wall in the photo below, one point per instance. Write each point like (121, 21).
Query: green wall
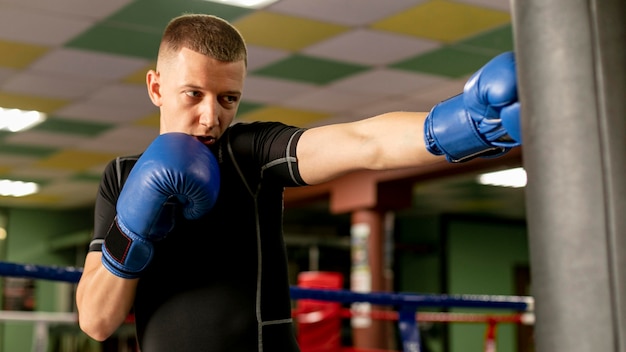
(483, 255)
(461, 254)
(44, 237)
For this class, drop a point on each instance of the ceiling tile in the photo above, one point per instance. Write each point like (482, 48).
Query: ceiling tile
(21, 55)
(443, 20)
(94, 9)
(153, 15)
(72, 159)
(44, 139)
(26, 102)
(122, 140)
(345, 12)
(64, 126)
(107, 38)
(259, 89)
(309, 69)
(81, 63)
(28, 151)
(370, 47)
(387, 82)
(139, 76)
(128, 95)
(8, 160)
(65, 194)
(496, 41)
(49, 85)
(39, 174)
(150, 120)
(284, 32)
(6, 73)
(502, 5)
(259, 56)
(282, 114)
(451, 62)
(330, 100)
(34, 27)
(104, 112)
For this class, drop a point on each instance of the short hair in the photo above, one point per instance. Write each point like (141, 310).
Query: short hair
(206, 34)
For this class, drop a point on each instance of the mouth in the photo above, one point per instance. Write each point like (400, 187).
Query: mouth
(206, 140)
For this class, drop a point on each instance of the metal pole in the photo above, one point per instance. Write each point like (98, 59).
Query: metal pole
(571, 57)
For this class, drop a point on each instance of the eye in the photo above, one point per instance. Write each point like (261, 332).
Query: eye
(193, 93)
(230, 99)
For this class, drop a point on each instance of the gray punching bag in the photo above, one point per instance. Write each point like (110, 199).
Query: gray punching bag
(571, 60)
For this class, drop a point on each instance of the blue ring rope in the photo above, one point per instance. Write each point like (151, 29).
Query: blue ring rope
(520, 303)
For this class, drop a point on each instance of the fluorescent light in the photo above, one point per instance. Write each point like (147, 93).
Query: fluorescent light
(507, 178)
(17, 188)
(251, 4)
(15, 120)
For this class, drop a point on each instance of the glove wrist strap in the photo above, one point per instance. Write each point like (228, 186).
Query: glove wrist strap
(450, 131)
(124, 253)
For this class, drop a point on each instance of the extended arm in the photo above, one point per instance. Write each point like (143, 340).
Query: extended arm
(483, 121)
(387, 141)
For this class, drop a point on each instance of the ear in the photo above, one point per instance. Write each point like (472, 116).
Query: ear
(154, 87)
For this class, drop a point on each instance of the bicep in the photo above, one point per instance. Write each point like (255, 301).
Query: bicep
(329, 151)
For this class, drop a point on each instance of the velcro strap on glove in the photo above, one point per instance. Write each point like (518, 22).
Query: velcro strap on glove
(124, 253)
(450, 131)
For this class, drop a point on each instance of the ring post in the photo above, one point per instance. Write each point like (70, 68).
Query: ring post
(409, 329)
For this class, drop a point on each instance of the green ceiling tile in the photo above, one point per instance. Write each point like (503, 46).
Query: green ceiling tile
(26, 102)
(34, 151)
(155, 14)
(118, 40)
(498, 40)
(72, 127)
(309, 69)
(451, 62)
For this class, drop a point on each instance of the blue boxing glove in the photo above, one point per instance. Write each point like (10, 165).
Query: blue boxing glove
(175, 173)
(482, 121)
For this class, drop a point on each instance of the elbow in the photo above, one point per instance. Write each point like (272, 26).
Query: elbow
(97, 329)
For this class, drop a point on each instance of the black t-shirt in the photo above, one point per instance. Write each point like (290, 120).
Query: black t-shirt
(219, 283)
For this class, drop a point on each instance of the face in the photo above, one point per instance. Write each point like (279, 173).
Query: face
(196, 94)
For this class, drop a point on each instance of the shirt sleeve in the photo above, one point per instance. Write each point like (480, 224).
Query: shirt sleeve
(271, 148)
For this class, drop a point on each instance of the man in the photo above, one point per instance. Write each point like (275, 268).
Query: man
(191, 239)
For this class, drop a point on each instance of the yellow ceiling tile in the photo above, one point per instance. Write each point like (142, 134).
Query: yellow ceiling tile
(19, 55)
(24, 102)
(152, 120)
(36, 199)
(444, 21)
(284, 32)
(293, 117)
(75, 160)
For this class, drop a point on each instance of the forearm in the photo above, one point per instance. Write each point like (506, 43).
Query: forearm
(388, 141)
(394, 140)
(103, 299)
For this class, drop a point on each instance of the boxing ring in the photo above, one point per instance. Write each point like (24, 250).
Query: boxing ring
(318, 312)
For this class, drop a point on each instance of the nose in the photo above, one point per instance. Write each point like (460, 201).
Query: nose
(209, 115)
